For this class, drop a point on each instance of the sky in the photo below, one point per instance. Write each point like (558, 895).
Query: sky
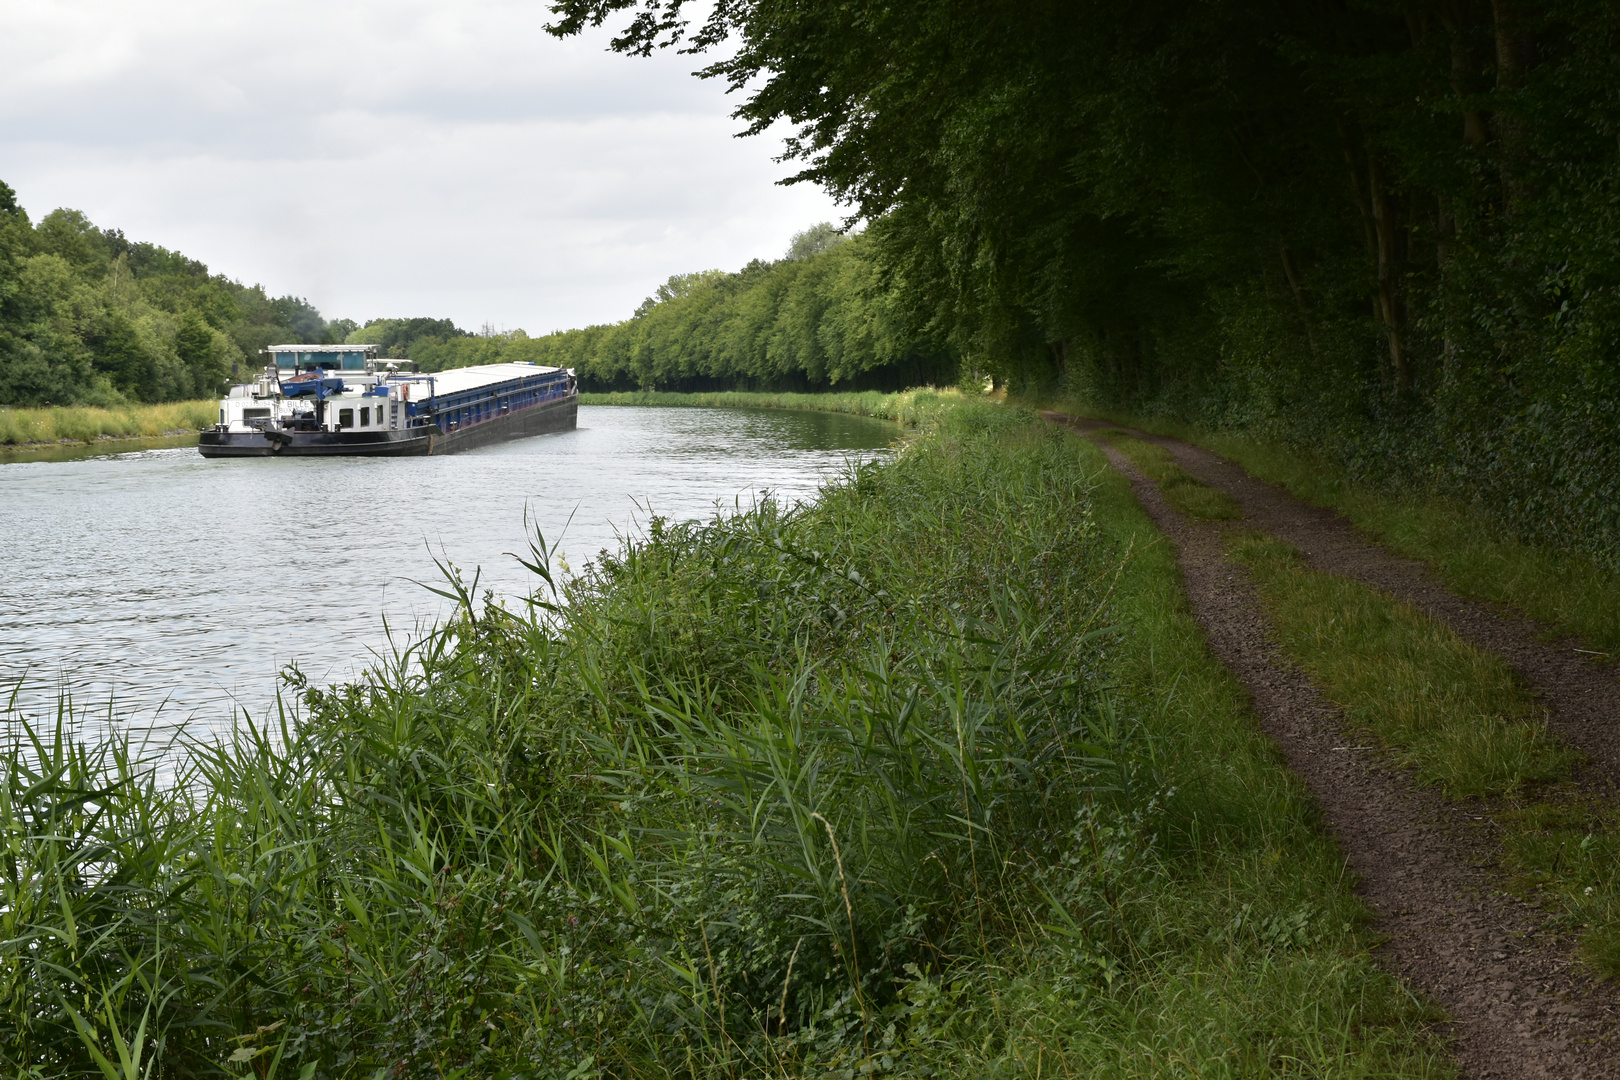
(391, 157)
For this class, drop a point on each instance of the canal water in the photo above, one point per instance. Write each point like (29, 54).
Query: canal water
(165, 591)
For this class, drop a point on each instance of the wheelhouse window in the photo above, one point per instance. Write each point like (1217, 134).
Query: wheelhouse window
(365, 417)
(345, 418)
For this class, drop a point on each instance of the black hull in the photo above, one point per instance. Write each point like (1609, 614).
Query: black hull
(542, 419)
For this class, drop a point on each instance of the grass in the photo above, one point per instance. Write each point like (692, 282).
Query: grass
(1475, 556)
(932, 777)
(1458, 718)
(1181, 489)
(23, 427)
(909, 407)
(1455, 713)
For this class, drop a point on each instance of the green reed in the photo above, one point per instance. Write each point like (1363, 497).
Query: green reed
(907, 407)
(839, 788)
(24, 427)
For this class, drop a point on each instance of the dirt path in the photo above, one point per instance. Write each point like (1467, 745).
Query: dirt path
(1582, 697)
(1520, 1008)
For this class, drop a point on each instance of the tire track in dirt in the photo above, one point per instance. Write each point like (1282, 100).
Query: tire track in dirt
(1582, 697)
(1518, 1005)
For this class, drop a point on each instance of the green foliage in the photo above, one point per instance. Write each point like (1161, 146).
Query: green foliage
(821, 317)
(1384, 231)
(837, 788)
(90, 318)
(394, 337)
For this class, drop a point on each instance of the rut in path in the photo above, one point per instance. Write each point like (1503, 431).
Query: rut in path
(1520, 1007)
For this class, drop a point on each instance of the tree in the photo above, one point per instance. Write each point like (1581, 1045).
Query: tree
(1383, 229)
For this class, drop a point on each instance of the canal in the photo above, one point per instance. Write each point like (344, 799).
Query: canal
(160, 590)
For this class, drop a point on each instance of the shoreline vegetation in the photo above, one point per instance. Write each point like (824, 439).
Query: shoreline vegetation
(1565, 590)
(909, 408)
(933, 776)
(25, 429)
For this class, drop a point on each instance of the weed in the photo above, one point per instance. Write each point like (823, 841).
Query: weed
(932, 776)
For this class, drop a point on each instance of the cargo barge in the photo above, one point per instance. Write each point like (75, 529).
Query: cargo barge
(343, 399)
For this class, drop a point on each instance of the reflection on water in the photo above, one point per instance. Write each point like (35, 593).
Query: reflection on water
(177, 588)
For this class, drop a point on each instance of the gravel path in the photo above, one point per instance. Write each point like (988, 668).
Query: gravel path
(1520, 1007)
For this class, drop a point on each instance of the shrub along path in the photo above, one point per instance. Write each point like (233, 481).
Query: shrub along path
(1520, 1004)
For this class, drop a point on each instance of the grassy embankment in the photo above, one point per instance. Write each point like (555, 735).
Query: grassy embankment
(908, 407)
(1473, 555)
(933, 777)
(23, 427)
(1452, 713)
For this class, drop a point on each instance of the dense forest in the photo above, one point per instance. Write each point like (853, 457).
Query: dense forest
(1384, 229)
(88, 317)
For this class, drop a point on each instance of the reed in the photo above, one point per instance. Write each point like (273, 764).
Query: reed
(909, 407)
(23, 427)
(930, 777)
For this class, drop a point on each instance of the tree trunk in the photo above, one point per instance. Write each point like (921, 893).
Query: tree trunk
(1291, 272)
(1060, 359)
(1445, 233)
(1391, 303)
(1466, 71)
(1515, 56)
(1386, 247)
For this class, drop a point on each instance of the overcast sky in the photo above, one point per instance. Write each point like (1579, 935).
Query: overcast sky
(390, 157)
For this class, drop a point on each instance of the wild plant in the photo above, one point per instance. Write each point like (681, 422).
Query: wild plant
(740, 796)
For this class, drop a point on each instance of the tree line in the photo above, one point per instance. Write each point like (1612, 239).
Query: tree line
(1383, 229)
(89, 317)
(820, 317)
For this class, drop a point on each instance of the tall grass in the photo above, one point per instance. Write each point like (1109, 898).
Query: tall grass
(931, 777)
(907, 407)
(21, 427)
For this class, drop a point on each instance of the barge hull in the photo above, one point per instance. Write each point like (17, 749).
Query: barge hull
(561, 414)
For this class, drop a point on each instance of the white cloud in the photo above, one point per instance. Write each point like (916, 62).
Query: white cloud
(389, 158)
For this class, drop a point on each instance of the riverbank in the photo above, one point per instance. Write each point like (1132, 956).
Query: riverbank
(908, 407)
(932, 776)
(27, 428)
(23, 429)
